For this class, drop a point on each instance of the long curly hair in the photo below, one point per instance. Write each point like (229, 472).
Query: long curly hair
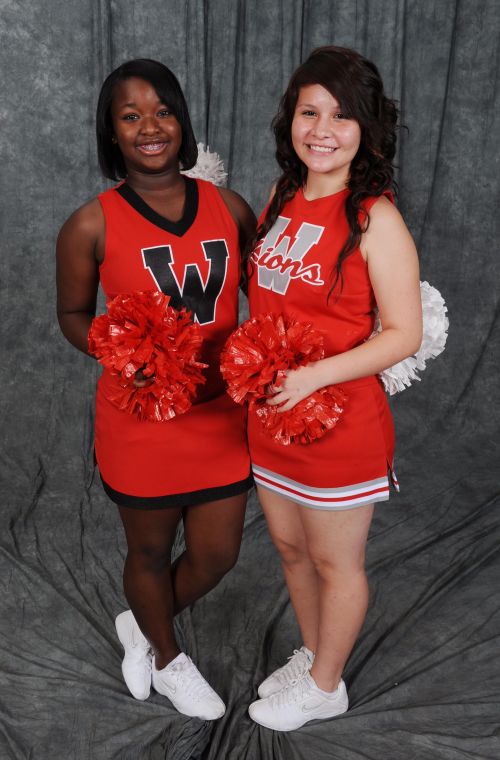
(357, 86)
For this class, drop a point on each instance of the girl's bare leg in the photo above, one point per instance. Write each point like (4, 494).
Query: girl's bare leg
(287, 532)
(146, 577)
(212, 534)
(336, 545)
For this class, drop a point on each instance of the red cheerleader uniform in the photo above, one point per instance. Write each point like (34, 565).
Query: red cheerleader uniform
(291, 272)
(201, 455)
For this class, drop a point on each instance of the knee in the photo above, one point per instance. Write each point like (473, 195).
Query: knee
(225, 561)
(291, 553)
(325, 567)
(149, 558)
(328, 567)
(218, 560)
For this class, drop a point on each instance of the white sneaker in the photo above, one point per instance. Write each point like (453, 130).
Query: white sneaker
(297, 704)
(297, 666)
(183, 684)
(136, 665)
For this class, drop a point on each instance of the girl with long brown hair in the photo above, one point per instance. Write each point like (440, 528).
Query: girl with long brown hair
(331, 248)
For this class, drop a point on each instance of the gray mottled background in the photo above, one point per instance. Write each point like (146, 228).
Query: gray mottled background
(424, 678)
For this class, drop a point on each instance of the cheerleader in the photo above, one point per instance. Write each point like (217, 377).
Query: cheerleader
(330, 249)
(161, 230)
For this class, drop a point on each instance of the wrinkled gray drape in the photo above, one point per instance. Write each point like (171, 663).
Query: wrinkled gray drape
(424, 677)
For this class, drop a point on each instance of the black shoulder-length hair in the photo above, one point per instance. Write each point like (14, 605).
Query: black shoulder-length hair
(169, 92)
(356, 83)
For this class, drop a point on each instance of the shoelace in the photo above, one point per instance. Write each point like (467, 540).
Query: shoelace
(291, 693)
(192, 680)
(139, 647)
(139, 642)
(138, 639)
(294, 668)
(143, 645)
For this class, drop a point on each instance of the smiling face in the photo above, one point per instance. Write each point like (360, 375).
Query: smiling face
(145, 129)
(322, 137)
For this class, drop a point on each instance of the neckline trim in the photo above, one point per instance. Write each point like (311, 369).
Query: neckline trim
(344, 190)
(178, 228)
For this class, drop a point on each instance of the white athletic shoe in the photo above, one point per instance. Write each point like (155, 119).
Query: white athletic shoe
(190, 694)
(297, 666)
(297, 704)
(136, 664)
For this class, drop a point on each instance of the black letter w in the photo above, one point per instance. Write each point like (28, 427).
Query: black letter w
(199, 298)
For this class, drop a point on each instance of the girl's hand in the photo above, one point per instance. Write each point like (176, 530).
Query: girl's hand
(393, 269)
(296, 385)
(140, 380)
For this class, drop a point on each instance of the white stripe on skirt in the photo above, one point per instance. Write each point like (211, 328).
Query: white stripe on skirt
(346, 497)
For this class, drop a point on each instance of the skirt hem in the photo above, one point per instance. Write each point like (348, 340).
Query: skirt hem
(188, 499)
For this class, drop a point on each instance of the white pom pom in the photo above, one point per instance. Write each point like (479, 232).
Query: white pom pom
(209, 166)
(436, 325)
(435, 333)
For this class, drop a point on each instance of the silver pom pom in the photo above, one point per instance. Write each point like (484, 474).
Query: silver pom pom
(209, 166)
(435, 333)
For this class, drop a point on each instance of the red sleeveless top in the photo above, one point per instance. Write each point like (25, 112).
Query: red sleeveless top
(292, 271)
(196, 261)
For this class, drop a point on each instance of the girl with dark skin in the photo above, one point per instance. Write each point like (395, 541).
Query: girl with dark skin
(145, 138)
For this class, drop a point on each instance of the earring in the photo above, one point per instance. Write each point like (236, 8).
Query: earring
(114, 140)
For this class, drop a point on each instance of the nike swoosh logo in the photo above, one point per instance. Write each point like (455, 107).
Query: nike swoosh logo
(170, 689)
(308, 706)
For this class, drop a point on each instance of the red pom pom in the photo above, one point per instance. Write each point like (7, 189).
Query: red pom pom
(142, 332)
(255, 357)
(307, 421)
(263, 347)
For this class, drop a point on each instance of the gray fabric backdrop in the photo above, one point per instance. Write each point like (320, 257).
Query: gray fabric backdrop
(424, 678)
